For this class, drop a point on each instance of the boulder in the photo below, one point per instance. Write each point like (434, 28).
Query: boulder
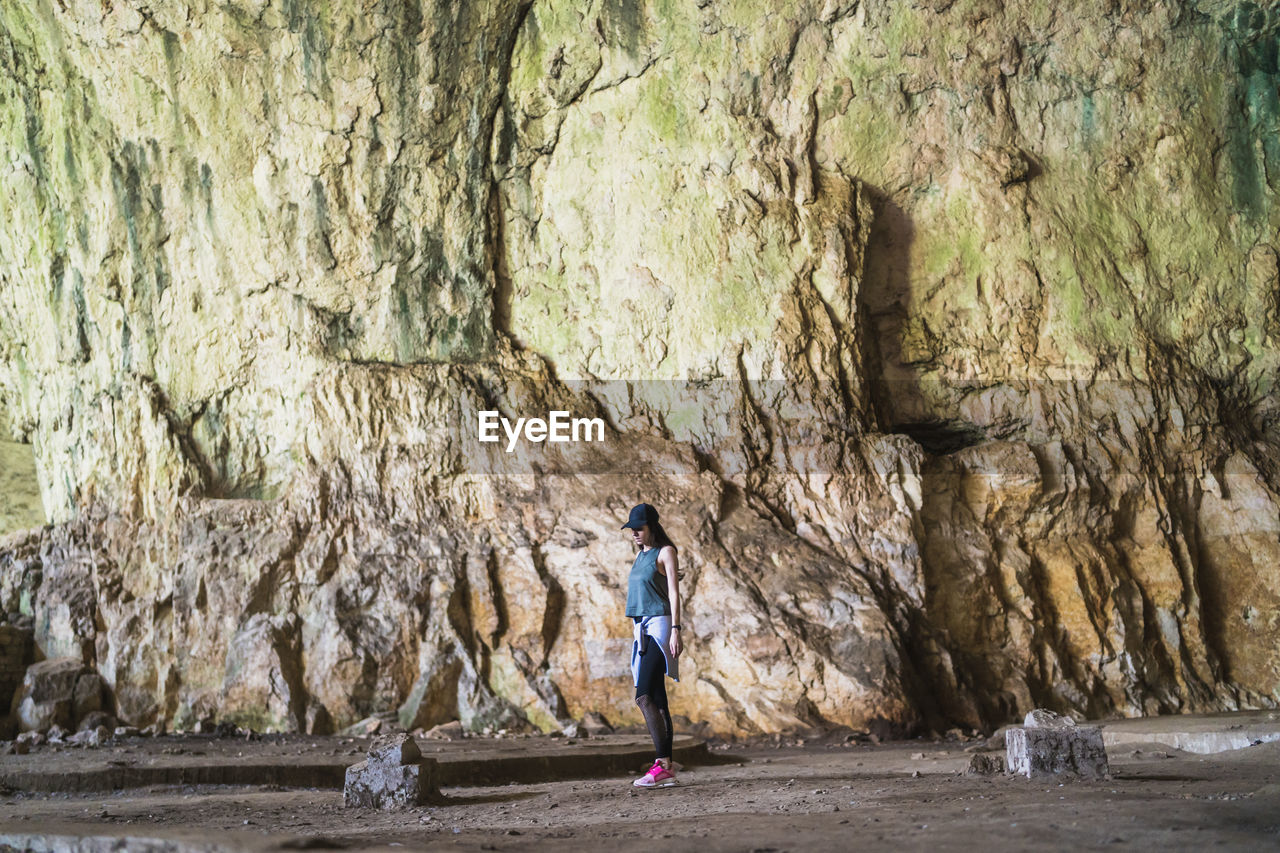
(93, 737)
(47, 695)
(384, 723)
(447, 731)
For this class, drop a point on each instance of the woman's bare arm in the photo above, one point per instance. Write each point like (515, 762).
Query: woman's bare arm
(669, 561)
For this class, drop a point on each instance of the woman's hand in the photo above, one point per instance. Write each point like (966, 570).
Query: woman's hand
(675, 645)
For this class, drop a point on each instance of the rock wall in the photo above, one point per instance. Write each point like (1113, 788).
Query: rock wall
(20, 505)
(944, 334)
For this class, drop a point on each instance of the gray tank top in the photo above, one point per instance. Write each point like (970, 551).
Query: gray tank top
(646, 589)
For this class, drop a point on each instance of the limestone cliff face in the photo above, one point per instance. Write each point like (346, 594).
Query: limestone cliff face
(944, 334)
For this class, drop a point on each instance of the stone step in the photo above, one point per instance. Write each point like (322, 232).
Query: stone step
(458, 765)
(1199, 733)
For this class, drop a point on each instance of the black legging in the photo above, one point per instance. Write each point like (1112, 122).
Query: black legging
(651, 696)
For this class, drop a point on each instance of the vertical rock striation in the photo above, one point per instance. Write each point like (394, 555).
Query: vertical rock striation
(944, 334)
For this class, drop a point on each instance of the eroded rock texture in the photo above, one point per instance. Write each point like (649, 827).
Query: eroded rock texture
(944, 334)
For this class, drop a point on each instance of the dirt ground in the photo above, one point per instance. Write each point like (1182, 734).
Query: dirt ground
(896, 796)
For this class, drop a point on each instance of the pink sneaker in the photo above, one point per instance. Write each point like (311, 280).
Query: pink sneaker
(657, 777)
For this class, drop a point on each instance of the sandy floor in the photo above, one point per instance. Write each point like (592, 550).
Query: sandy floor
(900, 796)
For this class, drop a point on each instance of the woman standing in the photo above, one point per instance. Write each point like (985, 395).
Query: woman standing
(653, 601)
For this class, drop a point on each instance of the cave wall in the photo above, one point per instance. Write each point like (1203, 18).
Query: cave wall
(20, 504)
(944, 334)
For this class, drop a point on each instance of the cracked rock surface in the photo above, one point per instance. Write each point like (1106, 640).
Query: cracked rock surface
(943, 335)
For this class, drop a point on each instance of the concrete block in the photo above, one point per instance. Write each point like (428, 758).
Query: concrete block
(395, 775)
(1075, 750)
(383, 786)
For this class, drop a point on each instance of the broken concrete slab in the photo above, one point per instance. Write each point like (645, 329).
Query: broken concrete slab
(1198, 733)
(1065, 750)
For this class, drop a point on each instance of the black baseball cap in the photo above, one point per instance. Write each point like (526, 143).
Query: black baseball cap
(641, 515)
